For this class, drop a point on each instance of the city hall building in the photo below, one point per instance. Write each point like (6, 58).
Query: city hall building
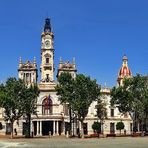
(52, 115)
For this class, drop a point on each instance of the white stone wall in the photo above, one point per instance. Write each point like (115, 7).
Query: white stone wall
(91, 117)
(57, 107)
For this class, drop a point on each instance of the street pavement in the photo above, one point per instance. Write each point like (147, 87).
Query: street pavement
(62, 142)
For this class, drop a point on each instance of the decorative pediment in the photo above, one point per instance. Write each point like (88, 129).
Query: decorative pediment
(47, 55)
(67, 65)
(28, 65)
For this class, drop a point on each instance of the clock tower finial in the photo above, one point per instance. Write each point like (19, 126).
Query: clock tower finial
(47, 27)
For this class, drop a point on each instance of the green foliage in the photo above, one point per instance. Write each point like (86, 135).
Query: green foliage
(132, 97)
(119, 125)
(65, 87)
(85, 92)
(17, 99)
(10, 99)
(79, 93)
(96, 127)
(29, 96)
(101, 109)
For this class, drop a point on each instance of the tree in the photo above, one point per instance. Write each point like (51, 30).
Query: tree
(120, 126)
(132, 97)
(29, 96)
(85, 92)
(101, 110)
(11, 101)
(65, 90)
(79, 93)
(96, 127)
(18, 99)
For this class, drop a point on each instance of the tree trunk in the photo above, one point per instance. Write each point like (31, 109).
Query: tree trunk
(102, 129)
(120, 131)
(11, 130)
(28, 122)
(142, 124)
(146, 123)
(70, 116)
(82, 130)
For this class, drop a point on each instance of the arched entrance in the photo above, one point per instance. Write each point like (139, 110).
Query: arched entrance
(47, 126)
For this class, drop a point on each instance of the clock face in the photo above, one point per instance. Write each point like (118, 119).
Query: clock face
(47, 43)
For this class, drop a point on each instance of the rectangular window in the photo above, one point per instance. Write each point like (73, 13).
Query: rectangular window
(112, 128)
(47, 60)
(112, 112)
(66, 109)
(47, 77)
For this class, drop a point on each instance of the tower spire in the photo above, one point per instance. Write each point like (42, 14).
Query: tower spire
(60, 59)
(47, 26)
(73, 60)
(34, 61)
(20, 60)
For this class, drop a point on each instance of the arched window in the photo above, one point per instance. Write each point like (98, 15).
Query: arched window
(47, 106)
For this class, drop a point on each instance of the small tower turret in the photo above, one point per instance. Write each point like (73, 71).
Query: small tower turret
(28, 72)
(124, 71)
(47, 26)
(67, 67)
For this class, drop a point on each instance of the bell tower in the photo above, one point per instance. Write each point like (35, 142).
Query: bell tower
(47, 53)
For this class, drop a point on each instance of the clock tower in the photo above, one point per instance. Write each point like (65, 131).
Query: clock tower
(47, 53)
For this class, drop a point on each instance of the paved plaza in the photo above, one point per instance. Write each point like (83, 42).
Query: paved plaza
(60, 142)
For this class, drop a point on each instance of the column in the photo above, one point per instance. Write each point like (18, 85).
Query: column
(57, 127)
(75, 126)
(63, 128)
(38, 128)
(41, 128)
(32, 127)
(53, 127)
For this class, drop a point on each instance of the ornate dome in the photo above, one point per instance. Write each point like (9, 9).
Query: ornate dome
(124, 70)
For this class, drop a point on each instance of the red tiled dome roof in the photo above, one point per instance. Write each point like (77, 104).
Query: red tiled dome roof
(125, 71)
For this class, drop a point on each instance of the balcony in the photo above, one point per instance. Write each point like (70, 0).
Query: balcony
(50, 116)
(47, 86)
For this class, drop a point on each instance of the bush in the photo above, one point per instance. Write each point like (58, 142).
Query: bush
(94, 135)
(120, 126)
(111, 135)
(96, 127)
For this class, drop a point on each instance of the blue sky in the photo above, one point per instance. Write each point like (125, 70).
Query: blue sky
(96, 32)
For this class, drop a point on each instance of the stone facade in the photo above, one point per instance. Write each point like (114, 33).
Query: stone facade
(53, 117)
(28, 71)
